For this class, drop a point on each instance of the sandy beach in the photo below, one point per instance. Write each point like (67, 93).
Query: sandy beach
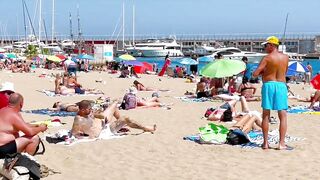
(164, 154)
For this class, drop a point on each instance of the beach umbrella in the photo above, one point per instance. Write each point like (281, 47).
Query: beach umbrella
(62, 57)
(127, 57)
(133, 63)
(205, 59)
(188, 61)
(85, 56)
(2, 50)
(297, 66)
(142, 69)
(315, 82)
(223, 68)
(53, 59)
(2, 56)
(11, 56)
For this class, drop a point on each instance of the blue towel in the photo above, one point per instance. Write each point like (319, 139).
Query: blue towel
(51, 113)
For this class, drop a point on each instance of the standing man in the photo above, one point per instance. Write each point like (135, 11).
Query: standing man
(70, 66)
(273, 69)
(308, 74)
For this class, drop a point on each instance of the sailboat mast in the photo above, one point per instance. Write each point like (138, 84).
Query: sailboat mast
(24, 20)
(71, 33)
(133, 17)
(123, 25)
(285, 29)
(45, 31)
(40, 17)
(52, 26)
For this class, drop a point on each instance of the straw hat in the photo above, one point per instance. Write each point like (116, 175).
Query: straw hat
(7, 86)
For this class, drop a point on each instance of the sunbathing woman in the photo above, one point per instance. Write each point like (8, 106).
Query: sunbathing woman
(141, 87)
(68, 107)
(247, 90)
(219, 113)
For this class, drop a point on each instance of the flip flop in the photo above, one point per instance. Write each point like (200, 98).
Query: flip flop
(288, 148)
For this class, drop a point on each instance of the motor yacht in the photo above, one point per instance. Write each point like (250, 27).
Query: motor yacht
(155, 48)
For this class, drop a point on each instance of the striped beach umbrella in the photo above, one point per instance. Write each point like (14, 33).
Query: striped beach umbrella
(297, 66)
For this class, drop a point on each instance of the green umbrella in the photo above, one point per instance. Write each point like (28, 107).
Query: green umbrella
(223, 68)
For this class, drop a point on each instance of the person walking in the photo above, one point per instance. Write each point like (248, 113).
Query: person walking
(273, 69)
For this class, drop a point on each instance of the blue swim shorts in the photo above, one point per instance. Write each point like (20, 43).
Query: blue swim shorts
(274, 95)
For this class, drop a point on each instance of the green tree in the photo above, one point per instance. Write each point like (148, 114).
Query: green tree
(31, 51)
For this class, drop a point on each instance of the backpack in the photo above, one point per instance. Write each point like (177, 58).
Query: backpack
(237, 137)
(129, 101)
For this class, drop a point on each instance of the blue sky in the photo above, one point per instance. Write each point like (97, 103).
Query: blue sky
(168, 17)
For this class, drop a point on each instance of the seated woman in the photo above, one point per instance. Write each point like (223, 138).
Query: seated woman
(63, 90)
(247, 90)
(201, 90)
(313, 99)
(219, 113)
(72, 81)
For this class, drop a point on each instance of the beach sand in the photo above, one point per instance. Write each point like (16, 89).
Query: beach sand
(165, 155)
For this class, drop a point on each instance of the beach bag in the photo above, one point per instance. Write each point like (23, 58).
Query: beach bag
(213, 134)
(129, 101)
(18, 159)
(237, 137)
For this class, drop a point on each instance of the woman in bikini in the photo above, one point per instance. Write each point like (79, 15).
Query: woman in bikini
(141, 87)
(68, 107)
(248, 90)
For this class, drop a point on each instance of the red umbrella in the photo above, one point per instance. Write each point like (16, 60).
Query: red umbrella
(62, 57)
(316, 82)
(142, 69)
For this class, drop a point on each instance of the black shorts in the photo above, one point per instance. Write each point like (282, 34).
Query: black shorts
(201, 94)
(9, 148)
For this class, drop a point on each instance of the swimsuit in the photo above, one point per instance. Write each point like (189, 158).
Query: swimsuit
(274, 95)
(201, 94)
(8, 148)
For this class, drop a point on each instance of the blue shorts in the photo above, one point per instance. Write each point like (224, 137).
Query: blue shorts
(274, 95)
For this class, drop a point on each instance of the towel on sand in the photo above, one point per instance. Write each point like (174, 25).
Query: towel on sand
(255, 137)
(53, 94)
(51, 113)
(303, 110)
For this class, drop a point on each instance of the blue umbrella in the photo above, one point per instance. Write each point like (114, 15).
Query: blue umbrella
(205, 59)
(188, 61)
(2, 56)
(133, 63)
(85, 56)
(297, 66)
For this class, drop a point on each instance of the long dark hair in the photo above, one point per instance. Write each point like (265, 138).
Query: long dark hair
(227, 115)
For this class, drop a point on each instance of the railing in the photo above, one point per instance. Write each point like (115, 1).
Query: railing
(182, 37)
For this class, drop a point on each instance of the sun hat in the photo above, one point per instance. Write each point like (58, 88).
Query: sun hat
(7, 86)
(133, 90)
(272, 40)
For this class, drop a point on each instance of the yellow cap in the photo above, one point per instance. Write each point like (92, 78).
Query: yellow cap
(271, 40)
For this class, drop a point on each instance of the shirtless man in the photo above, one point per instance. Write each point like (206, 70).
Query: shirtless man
(273, 69)
(91, 124)
(11, 123)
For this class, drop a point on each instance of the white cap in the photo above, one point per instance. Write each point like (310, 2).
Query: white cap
(7, 86)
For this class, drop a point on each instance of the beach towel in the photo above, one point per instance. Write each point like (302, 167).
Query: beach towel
(303, 110)
(51, 113)
(194, 99)
(255, 137)
(49, 122)
(69, 141)
(53, 94)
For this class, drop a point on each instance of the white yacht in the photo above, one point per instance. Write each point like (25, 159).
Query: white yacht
(236, 53)
(156, 48)
(67, 44)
